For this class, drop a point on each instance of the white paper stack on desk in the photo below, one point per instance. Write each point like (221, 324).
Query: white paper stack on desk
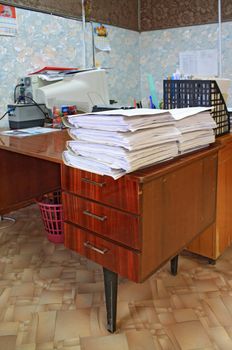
(196, 126)
(120, 141)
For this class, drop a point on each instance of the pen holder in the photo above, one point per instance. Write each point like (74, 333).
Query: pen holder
(51, 210)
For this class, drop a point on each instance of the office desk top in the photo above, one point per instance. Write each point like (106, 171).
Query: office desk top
(45, 146)
(51, 145)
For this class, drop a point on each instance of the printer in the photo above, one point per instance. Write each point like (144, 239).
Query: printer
(35, 97)
(28, 110)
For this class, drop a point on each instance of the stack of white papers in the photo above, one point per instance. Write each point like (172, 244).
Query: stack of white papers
(126, 120)
(129, 140)
(119, 157)
(120, 141)
(117, 142)
(196, 126)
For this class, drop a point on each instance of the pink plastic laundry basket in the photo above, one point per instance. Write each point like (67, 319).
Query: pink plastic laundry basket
(52, 214)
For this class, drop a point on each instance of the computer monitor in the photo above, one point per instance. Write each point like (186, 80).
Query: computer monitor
(84, 89)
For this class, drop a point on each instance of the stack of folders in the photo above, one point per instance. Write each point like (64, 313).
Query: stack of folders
(196, 126)
(117, 142)
(120, 141)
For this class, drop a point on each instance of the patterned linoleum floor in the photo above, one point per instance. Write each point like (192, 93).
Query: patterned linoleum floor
(52, 298)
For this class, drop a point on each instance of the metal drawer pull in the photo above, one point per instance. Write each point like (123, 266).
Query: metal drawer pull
(98, 250)
(100, 218)
(100, 184)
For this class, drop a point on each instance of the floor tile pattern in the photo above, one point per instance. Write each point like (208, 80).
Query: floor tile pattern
(52, 298)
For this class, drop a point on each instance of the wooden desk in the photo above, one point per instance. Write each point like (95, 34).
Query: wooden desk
(30, 166)
(216, 238)
(130, 226)
(133, 225)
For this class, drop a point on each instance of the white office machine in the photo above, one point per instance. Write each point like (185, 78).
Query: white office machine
(36, 97)
(85, 89)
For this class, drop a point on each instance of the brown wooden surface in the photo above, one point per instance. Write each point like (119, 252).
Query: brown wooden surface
(24, 178)
(117, 258)
(117, 225)
(176, 208)
(46, 146)
(212, 243)
(122, 194)
(224, 204)
(205, 243)
(176, 200)
(30, 166)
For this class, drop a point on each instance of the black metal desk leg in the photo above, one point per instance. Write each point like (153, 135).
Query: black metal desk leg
(174, 265)
(111, 289)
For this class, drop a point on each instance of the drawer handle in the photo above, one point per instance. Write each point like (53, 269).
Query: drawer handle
(100, 218)
(98, 250)
(100, 184)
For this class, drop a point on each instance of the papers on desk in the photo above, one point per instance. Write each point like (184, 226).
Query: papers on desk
(196, 129)
(129, 140)
(28, 132)
(181, 113)
(191, 141)
(120, 141)
(120, 158)
(121, 120)
(91, 165)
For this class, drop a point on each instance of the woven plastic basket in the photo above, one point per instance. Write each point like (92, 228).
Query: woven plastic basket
(51, 210)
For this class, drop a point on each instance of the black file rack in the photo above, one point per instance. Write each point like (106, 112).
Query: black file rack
(193, 93)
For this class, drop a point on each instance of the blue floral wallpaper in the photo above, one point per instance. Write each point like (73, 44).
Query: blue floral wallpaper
(159, 52)
(46, 40)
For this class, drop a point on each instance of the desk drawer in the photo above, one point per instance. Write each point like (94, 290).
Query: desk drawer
(112, 223)
(110, 255)
(122, 193)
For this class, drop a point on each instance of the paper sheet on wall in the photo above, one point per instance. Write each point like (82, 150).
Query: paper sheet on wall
(8, 21)
(199, 62)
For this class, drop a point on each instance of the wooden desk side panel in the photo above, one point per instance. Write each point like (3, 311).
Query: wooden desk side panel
(224, 200)
(205, 243)
(23, 178)
(212, 242)
(176, 208)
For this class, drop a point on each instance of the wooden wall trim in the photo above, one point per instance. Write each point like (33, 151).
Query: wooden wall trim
(67, 8)
(118, 13)
(159, 14)
(226, 10)
(138, 15)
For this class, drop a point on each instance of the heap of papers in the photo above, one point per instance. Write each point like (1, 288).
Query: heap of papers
(120, 141)
(196, 126)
